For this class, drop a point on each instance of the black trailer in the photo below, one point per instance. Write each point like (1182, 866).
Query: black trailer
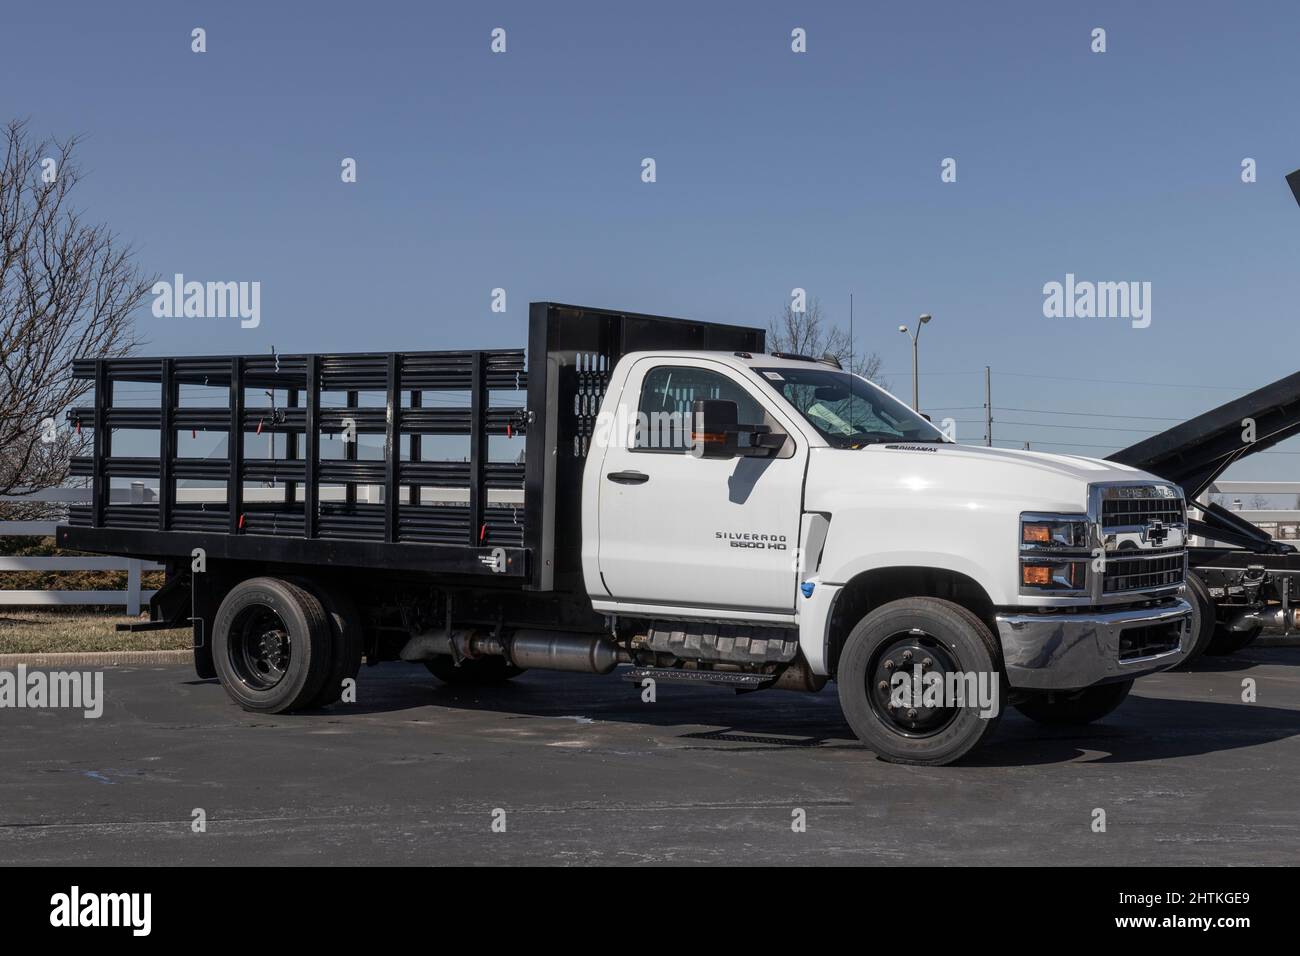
(385, 544)
(1241, 580)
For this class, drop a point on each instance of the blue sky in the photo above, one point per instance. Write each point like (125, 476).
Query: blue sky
(775, 170)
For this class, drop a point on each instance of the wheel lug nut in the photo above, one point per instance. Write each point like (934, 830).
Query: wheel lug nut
(927, 662)
(911, 713)
(907, 656)
(889, 664)
(883, 685)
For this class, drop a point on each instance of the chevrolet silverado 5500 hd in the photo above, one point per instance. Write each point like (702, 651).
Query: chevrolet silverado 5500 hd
(687, 508)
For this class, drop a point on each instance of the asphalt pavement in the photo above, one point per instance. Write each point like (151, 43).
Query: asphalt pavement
(561, 769)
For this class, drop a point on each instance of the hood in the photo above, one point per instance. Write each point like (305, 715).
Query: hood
(972, 476)
(1086, 469)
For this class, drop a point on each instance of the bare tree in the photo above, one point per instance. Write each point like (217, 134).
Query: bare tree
(811, 333)
(1259, 503)
(67, 290)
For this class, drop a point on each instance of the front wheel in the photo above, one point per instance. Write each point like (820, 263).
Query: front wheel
(920, 681)
(1075, 707)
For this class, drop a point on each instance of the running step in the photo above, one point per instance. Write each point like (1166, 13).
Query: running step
(715, 678)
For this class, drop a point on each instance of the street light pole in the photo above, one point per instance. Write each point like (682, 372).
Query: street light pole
(916, 381)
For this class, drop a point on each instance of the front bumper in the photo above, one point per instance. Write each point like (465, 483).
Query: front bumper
(1063, 651)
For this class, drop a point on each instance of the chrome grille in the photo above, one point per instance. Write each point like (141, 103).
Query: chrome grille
(1128, 571)
(1144, 526)
(1128, 512)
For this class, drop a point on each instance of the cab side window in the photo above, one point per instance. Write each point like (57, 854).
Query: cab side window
(668, 394)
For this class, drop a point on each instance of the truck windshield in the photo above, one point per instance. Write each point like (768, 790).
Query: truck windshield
(846, 410)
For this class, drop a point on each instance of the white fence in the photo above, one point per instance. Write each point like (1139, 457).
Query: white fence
(133, 597)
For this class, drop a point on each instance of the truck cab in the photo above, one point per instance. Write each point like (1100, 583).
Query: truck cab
(785, 498)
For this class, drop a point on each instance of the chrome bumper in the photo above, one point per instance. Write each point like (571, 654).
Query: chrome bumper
(1058, 651)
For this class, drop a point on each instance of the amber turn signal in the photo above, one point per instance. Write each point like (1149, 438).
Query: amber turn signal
(1037, 533)
(1037, 575)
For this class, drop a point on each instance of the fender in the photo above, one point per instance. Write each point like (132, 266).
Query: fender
(816, 609)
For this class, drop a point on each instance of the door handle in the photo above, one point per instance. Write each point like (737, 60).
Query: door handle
(628, 477)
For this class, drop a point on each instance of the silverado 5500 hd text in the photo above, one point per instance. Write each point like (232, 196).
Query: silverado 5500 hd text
(687, 506)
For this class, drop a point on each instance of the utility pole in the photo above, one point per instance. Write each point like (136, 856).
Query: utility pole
(988, 407)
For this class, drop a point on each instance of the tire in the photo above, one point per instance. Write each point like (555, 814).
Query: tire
(346, 634)
(272, 646)
(953, 639)
(1203, 622)
(482, 672)
(1078, 707)
(1226, 642)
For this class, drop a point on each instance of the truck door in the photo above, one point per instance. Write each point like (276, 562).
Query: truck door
(679, 530)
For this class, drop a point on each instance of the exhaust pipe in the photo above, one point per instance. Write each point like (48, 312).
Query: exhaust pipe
(1269, 617)
(532, 649)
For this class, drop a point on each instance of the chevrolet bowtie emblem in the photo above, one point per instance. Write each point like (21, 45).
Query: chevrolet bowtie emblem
(1155, 533)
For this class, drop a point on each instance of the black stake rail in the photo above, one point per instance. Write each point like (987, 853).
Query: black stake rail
(428, 524)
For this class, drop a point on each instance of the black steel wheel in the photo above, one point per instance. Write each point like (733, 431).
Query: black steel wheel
(271, 645)
(900, 654)
(260, 647)
(919, 636)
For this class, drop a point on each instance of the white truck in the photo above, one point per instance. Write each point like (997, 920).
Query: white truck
(689, 509)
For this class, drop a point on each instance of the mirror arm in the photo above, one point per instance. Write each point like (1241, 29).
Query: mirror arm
(763, 442)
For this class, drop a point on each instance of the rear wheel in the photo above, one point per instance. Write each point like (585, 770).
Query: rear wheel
(921, 639)
(1075, 707)
(484, 670)
(345, 643)
(271, 645)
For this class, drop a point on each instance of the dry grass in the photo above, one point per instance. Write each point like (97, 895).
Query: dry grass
(55, 630)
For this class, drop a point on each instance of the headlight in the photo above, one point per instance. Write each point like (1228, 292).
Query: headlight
(1053, 532)
(1054, 553)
